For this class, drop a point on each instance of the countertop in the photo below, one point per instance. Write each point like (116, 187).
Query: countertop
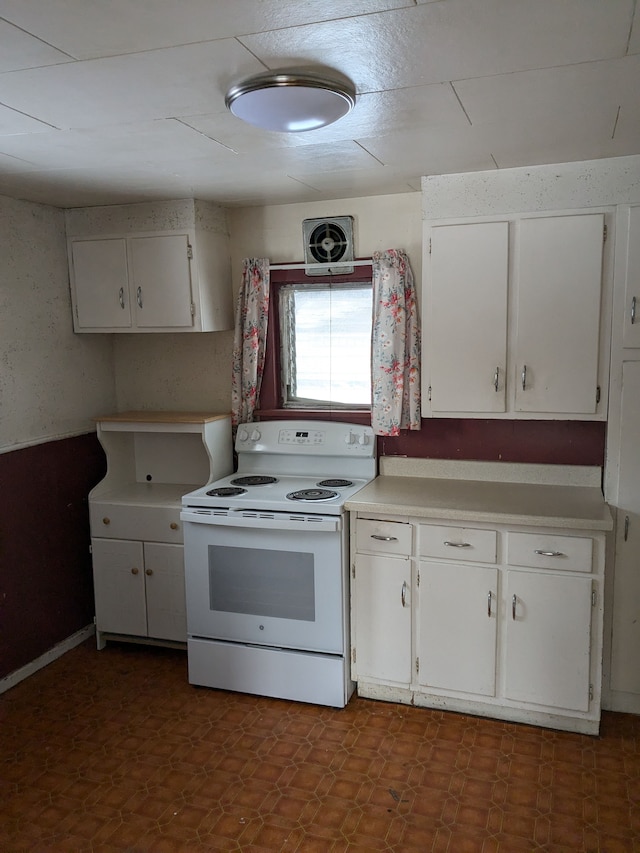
(162, 417)
(542, 496)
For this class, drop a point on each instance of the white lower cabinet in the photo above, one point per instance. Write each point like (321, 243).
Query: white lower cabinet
(547, 639)
(382, 619)
(458, 628)
(499, 621)
(139, 589)
(153, 458)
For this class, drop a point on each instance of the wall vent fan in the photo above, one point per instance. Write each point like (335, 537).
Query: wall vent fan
(327, 242)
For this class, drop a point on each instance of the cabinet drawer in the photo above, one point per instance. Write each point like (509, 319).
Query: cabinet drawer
(458, 543)
(383, 537)
(541, 550)
(149, 523)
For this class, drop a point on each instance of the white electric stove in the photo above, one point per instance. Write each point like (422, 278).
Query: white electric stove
(266, 562)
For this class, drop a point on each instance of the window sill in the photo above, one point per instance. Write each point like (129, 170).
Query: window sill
(350, 416)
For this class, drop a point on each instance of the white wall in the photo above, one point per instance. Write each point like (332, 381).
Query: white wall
(52, 382)
(275, 231)
(193, 372)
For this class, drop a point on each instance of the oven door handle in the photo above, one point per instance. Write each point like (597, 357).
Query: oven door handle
(263, 520)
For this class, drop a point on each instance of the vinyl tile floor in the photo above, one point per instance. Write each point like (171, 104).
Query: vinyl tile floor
(114, 751)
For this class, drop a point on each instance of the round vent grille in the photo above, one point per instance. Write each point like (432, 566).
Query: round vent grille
(328, 243)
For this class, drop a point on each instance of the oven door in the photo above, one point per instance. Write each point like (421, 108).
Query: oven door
(265, 578)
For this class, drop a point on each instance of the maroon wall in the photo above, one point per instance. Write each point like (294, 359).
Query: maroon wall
(542, 442)
(46, 589)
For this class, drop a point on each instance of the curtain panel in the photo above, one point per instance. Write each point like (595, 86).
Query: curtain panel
(395, 345)
(252, 310)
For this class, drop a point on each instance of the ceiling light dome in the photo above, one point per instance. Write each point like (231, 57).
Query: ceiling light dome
(290, 102)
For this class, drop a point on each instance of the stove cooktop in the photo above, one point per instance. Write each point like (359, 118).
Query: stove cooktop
(293, 466)
(278, 493)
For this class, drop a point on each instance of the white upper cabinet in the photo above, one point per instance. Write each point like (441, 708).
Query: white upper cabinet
(103, 301)
(161, 275)
(513, 318)
(631, 333)
(141, 279)
(558, 284)
(467, 296)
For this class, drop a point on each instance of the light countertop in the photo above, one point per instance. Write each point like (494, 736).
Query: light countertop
(142, 417)
(542, 496)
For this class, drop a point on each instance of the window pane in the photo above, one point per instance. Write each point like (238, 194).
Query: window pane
(328, 347)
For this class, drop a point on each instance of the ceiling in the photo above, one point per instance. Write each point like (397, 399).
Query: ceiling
(123, 101)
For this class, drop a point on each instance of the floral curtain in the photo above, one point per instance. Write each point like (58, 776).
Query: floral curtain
(395, 345)
(252, 310)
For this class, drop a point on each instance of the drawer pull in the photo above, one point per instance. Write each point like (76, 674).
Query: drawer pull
(457, 544)
(549, 553)
(106, 520)
(489, 604)
(148, 571)
(384, 538)
(514, 602)
(134, 571)
(173, 525)
(403, 594)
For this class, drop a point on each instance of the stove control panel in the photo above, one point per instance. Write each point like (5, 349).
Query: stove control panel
(301, 436)
(306, 438)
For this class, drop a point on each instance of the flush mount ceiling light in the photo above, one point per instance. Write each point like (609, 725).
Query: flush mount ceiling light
(290, 102)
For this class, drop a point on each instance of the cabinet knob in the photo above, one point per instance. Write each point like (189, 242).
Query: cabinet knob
(106, 520)
(174, 525)
(148, 571)
(134, 571)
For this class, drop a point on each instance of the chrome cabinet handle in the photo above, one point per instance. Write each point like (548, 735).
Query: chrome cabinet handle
(139, 297)
(524, 377)
(457, 544)
(489, 604)
(549, 553)
(121, 297)
(403, 594)
(633, 311)
(514, 601)
(626, 527)
(384, 538)
(496, 379)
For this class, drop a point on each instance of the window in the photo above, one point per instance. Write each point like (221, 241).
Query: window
(325, 340)
(319, 342)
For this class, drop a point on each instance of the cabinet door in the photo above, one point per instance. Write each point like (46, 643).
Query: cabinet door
(558, 281)
(118, 579)
(382, 598)
(161, 281)
(164, 578)
(631, 334)
(548, 637)
(457, 630)
(466, 303)
(101, 284)
(625, 651)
